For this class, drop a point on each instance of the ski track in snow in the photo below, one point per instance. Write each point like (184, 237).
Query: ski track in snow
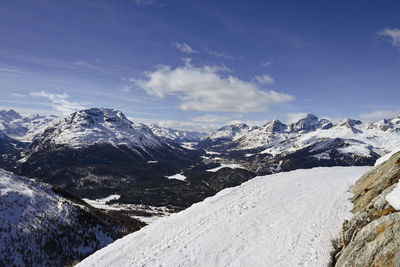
(285, 219)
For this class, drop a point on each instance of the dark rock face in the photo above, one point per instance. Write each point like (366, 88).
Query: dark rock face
(10, 150)
(372, 236)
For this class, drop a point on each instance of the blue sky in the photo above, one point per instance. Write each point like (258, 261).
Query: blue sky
(200, 64)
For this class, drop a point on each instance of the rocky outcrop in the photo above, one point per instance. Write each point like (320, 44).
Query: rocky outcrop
(372, 236)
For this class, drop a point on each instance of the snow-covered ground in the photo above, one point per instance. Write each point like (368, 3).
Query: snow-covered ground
(285, 219)
(232, 166)
(189, 145)
(178, 176)
(151, 214)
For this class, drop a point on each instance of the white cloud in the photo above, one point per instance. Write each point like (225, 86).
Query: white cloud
(210, 118)
(208, 88)
(380, 114)
(266, 63)
(264, 79)
(185, 48)
(59, 102)
(144, 2)
(295, 117)
(394, 34)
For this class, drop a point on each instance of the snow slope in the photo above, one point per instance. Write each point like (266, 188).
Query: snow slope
(285, 219)
(387, 156)
(37, 225)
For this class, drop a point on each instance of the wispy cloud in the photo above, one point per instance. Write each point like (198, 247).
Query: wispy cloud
(393, 34)
(145, 2)
(210, 118)
(379, 115)
(185, 48)
(59, 102)
(208, 88)
(217, 54)
(266, 63)
(126, 88)
(264, 79)
(18, 95)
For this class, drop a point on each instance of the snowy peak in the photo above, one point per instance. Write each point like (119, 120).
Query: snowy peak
(386, 125)
(90, 118)
(275, 126)
(98, 126)
(310, 123)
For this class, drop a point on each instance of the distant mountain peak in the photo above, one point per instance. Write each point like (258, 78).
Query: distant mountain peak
(10, 115)
(309, 123)
(275, 126)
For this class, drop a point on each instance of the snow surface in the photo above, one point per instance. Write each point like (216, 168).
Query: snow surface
(285, 219)
(153, 213)
(393, 198)
(178, 176)
(231, 165)
(387, 156)
(31, 211)
(189, 145)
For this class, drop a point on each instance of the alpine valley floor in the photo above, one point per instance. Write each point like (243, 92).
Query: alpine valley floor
(285, 219)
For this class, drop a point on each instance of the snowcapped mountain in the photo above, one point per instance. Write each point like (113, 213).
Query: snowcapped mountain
(176, 135)
(98, 126)
(23, 128)
(258, 223)
(309, 142)
(98, 152)
(45, 226)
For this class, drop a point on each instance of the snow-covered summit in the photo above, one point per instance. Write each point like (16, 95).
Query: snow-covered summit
(98, 126)
(310, 123)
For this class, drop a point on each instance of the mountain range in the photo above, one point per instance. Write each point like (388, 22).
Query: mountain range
(309, 142)
(96, 153)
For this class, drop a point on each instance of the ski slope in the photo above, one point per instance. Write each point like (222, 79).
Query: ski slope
(285, 219)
